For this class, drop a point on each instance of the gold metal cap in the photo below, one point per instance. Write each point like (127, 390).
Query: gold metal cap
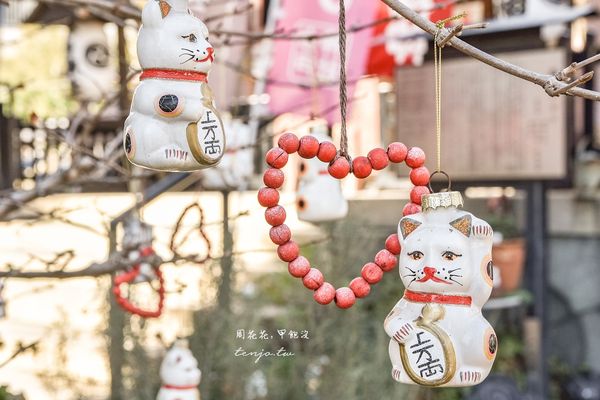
(441, 199)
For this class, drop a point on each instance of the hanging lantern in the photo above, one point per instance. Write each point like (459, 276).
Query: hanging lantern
(319, 197)
(438, 335)
(235, 170)
(91, 73)
(179, 374)
(173, 124)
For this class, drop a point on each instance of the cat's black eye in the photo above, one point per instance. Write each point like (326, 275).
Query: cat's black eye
(450, 256)
(416, 255)
(191, 37)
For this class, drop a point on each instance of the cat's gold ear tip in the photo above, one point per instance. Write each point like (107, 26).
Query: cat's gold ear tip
(442, 199)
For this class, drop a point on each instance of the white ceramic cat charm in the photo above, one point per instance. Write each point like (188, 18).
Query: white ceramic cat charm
(319, 197)
(438, 335)
(173, 124)
(179, 374)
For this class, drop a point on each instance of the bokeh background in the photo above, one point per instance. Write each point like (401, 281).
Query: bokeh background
(527, 163)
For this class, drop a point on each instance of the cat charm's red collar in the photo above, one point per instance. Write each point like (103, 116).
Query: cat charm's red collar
(173, 74)
(420, 297)
(180, 387)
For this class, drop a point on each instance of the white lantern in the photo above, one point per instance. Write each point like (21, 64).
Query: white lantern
(179, 374)
(92, 75)
(173, 124)
(319, 197)
(438, 335)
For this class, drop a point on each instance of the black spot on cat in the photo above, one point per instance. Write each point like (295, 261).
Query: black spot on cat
(490, 270)
(301, 204)
(493, 344)
(302, 168)
(168, 103)
(128, 146)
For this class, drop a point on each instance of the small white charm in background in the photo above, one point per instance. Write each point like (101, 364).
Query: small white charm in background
(92, 74)
(319, 197)
(179, 374)
(404, 40)
(438, 335)
(173, 124)
(235, 170)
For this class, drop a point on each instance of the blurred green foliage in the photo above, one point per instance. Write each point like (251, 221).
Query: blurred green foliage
(33, 74)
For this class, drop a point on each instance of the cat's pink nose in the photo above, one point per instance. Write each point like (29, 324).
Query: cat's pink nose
(429, 271)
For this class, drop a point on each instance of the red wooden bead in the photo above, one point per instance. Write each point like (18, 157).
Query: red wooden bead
(275, 215)
(378, 158)
(360, 287)
(273, 178)
(325, 294)
(372, 273)
(327, 152)
(299, 267)
(289, 251)
(397, 152)
(344, 297)
(289, 142)
(410, 209)
(280, 234)
(417, 192)
(309, 146)
(361, 167)
(276, 157)
(392, 244)
(313, 280)
(415, 157)
(419, 176)
(340, 168)
(386, 260)
(268, 197)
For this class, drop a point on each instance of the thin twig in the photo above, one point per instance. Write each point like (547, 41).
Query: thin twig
(21, 349)
(548, 82)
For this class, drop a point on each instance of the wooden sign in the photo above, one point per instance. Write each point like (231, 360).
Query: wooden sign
(495, 126)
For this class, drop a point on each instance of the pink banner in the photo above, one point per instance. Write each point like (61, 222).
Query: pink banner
(304, 77)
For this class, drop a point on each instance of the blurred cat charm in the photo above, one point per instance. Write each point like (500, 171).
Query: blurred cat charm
(179, 374)
(173, 124)
(319, 197)
(438, 335)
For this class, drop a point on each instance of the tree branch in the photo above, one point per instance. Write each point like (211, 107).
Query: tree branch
(550, 83)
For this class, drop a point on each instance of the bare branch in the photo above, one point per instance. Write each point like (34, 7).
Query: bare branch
(548, 82)
(20, 350)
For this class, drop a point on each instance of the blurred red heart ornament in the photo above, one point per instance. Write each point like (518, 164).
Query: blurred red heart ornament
(339, 167)
(130, 277)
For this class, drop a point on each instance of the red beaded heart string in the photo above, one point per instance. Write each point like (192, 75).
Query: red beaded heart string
(280, 234)
(340, 166)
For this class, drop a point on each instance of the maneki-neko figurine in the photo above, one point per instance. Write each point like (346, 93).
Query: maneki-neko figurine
(173, 124)
(179, 374)
(439, 336)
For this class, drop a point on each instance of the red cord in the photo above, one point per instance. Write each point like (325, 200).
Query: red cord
(129, 277)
